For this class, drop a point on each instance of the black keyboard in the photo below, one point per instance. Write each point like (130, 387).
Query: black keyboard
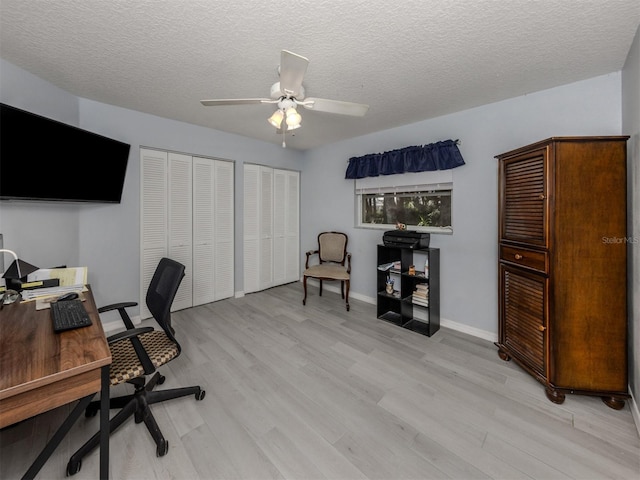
(69, 314)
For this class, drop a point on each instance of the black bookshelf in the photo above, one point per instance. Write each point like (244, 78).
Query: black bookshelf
(405, 306)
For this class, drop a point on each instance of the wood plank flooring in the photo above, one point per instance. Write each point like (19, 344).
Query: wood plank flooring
(317, 392)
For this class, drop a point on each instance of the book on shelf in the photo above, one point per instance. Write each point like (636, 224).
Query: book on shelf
(385, 267)
(420, 301)
(422, 287)
(420, 294)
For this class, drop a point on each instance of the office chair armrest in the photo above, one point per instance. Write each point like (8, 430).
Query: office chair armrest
(348, 263)
(116, 306)
(309, 253)
(121, 310)
(142, 354)
(116, 337)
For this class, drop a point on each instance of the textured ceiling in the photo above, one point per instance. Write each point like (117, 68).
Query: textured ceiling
(409, 60)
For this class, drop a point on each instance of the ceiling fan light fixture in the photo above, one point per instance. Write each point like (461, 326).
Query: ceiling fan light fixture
(276, 118)
(294, 120)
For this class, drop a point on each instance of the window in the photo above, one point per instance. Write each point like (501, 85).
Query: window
(382, 202)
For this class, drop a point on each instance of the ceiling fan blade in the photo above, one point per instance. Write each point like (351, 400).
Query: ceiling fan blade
(234, 101)
(292, 70)
(335, 106)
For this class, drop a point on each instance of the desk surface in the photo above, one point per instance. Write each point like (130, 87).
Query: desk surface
(40, 369)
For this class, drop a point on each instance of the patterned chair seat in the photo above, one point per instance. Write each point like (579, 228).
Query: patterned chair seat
(126, 365)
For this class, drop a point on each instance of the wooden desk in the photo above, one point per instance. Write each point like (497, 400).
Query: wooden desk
(41, 370)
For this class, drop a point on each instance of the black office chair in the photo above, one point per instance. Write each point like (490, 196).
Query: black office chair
(138, 352)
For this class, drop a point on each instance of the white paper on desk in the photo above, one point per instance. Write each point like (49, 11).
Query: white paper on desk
(67, 276)
(51, 293)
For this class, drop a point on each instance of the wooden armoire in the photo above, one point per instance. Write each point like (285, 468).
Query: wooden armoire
(562, 265)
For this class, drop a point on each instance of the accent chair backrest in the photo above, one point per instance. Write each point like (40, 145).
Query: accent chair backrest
(332, 247)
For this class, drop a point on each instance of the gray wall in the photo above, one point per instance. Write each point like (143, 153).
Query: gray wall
(105, 238)
(631, 127)
(469, 256)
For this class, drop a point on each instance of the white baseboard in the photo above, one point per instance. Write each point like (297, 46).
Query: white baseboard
(635, 412)
(115, 326)
(475, 332)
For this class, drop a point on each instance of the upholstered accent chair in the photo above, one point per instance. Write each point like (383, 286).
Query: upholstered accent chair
(138, 352)
(332, 255)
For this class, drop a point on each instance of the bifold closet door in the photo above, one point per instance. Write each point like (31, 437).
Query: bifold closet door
(271, 227)
(180, 226)
(153, 221)
(187, 214)
(286, 244)
(213, 250)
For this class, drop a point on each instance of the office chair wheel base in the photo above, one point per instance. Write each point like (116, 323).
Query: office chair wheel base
(162, 449)
(73, 467)
(161, 379)
(200, 395)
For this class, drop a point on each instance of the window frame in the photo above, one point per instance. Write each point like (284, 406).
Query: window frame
(407, 183)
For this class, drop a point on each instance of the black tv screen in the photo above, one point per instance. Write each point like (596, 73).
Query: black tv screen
(43, 159)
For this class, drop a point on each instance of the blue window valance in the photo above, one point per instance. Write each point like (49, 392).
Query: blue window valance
(435, 156)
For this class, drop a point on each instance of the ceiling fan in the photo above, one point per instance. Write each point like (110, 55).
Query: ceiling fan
(288, 94)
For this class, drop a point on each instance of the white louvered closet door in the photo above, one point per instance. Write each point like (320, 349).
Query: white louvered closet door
(279, 226)
(180, 224)
(204, 264)
(292, 228)
(224, 230)
(266, 228)
(271, 227)
(153, 222)
(213, 233)
(251, 227)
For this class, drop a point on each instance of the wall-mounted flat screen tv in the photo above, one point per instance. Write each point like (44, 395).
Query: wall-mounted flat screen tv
(46, 160)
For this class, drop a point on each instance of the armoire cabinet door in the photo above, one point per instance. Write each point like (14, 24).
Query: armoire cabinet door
(523, 323)
(523, 198)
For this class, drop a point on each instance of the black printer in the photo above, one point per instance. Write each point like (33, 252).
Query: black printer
(406, 239)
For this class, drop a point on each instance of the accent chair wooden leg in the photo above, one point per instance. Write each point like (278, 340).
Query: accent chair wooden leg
(342, 289)
(304, 283)
(347, 282)
(320, 287)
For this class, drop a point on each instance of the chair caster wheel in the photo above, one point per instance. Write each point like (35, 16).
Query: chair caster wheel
(161, 379)
(91, 411)
(200, 395)
(162, 449)
(73, 467)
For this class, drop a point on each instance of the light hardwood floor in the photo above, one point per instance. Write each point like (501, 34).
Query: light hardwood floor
(317, 392)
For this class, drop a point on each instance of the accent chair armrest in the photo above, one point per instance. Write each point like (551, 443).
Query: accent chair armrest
(309, 253)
